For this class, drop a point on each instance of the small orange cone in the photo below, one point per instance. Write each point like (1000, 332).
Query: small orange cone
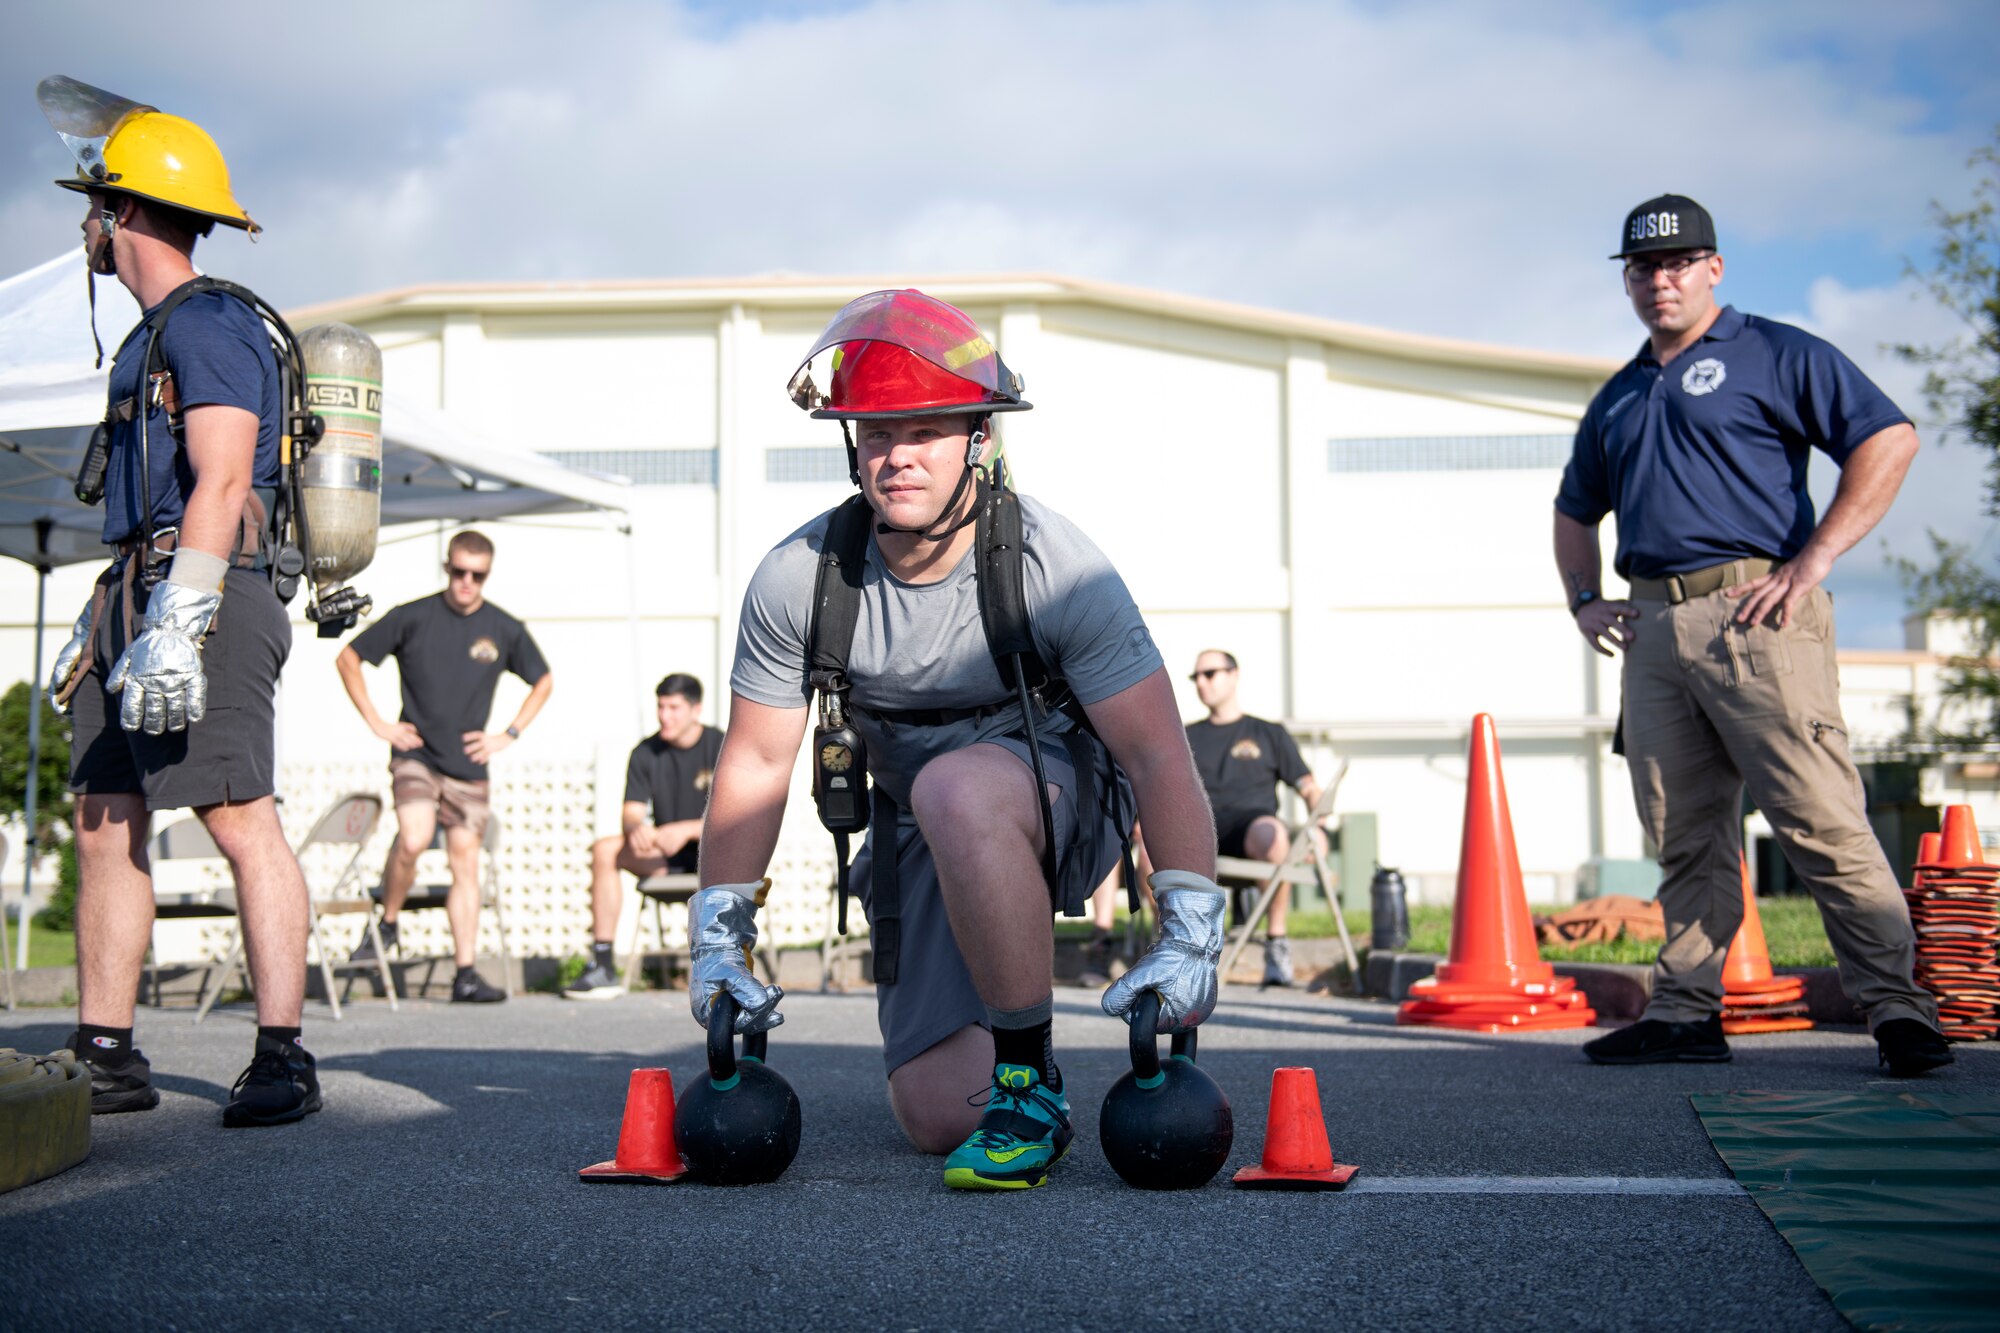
(1494, 979)
(1297, 1155)
(647, 1154)
(1958, 842)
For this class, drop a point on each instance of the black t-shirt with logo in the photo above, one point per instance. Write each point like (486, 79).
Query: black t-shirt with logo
(1241, 764)
(450, 664)
(674, 782)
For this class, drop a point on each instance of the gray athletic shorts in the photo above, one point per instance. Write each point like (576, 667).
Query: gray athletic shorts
(933, 995)
(231, 754)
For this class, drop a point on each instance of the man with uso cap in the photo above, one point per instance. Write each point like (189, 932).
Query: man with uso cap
(1700, 445)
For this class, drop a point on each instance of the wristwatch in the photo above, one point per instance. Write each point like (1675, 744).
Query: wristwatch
(1583, 599)
(514, 732)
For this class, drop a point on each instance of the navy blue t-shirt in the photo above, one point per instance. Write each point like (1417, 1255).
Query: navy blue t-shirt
(220, 354)
(1704, 459)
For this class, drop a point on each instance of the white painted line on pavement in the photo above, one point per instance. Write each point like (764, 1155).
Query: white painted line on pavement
(1365, 1184)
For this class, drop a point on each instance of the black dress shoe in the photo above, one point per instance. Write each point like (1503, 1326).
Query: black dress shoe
(1655, 1041)
(1910, 1048)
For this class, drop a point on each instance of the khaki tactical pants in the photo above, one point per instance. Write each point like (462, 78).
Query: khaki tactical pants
(1712, 707)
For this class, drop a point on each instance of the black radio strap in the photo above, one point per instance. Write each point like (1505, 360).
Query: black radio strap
(886, 891)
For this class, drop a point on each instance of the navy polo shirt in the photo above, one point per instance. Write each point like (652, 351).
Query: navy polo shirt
(1704, 459)
(219, 353)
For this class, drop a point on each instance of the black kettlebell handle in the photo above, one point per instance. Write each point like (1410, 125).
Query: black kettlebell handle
(1145, 1043)
(722, 1039)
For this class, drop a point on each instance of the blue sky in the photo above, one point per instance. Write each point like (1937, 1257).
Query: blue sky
(1455, 169)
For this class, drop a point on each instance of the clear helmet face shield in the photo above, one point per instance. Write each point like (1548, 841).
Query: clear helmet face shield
(924, 326)
(85, 117)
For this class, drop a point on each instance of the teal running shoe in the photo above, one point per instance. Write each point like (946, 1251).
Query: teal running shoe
(1024, 1132)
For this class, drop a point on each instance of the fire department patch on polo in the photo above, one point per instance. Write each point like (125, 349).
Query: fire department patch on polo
(1704, 376)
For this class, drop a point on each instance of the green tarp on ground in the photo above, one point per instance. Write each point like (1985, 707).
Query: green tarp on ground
(1890, 1199)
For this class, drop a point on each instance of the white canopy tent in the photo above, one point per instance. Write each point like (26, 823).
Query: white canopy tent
(52, 395)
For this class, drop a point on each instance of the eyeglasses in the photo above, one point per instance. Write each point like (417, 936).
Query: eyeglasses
(1676, 268)
(476, 575)
(1212, 671)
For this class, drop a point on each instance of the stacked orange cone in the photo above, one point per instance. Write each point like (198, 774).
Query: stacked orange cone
(1753, 999)
(1495, 979)
(1955, 909)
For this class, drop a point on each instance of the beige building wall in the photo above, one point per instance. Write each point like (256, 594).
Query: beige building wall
(1362, 517)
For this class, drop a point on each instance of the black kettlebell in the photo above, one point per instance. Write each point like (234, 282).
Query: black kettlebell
(740, 1125)
(1166, 1125)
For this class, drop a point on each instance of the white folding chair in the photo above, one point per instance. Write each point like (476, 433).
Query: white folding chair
(1304, 864)
(178, 849)
(348, 823)
(430, 894)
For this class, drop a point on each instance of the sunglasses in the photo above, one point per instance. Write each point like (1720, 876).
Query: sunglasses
(476, 575)
(1212, 671)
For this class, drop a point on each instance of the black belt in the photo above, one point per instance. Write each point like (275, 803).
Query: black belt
(931, 717)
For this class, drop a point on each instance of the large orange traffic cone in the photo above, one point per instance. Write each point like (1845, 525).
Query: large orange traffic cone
(1754, 999)
(647, 1153)
(1297, 1155)
(1494, 979)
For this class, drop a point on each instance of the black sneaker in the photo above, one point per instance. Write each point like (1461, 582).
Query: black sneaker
(116, 1088)
(1654, 1041)
(364, 952)
(597, 983)
(471, 988)
(1906, 1046)
(280, 1086)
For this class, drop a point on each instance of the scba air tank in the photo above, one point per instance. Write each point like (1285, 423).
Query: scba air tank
(343, 474)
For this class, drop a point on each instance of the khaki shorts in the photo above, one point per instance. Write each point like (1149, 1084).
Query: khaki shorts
(459, 804)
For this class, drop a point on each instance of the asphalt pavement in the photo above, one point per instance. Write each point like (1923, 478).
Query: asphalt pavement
(1504, 1183)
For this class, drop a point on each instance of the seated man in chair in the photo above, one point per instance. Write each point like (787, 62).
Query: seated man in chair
(666, 791)
(1242, 759)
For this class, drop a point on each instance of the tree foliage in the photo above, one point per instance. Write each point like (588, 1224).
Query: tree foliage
(1962, 388)
(52, 773)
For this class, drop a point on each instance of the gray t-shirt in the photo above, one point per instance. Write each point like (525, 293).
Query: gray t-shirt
(923, 646)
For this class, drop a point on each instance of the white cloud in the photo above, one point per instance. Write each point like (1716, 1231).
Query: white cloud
(1445, 168)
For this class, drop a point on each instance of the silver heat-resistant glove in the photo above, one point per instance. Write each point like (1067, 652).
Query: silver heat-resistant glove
(70, 658)
(1181, 964)
(160, 671)
(722, 929)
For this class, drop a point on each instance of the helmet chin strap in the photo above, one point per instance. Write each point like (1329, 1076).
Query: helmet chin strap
(93, 256)
(932, 531)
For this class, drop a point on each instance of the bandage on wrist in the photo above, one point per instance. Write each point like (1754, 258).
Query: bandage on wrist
(198, 570)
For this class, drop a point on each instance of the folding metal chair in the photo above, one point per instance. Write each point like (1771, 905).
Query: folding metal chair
(1304, 864)
(348, 822)
(430, 894)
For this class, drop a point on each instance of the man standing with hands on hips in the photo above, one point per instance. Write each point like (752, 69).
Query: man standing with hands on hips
(1700, 446)
(450, 650)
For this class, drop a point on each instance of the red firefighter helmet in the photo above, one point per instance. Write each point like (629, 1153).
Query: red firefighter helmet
(904, 354)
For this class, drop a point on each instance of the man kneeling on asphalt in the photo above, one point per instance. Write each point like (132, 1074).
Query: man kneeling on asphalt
(666, 790)
(960, 871)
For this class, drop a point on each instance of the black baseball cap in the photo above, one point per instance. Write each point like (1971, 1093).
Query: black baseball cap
(1669, 222)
